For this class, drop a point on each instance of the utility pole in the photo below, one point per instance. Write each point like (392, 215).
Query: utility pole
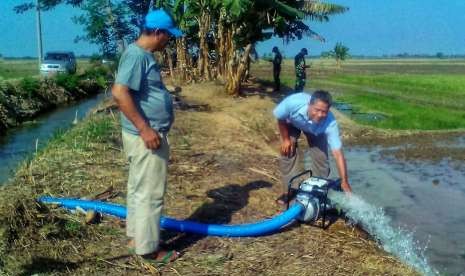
(39, 32)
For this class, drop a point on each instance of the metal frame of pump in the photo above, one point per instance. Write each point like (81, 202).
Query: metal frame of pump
(313, 195)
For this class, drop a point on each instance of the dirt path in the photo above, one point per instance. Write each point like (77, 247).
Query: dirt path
(216, 157)
(223, 169)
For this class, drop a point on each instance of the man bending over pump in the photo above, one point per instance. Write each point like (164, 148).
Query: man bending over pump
(310, 115)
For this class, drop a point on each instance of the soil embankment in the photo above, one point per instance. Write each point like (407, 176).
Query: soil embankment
(24, 99)
(223, 169)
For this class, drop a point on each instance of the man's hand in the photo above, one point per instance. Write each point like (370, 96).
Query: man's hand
(346, 187)
(150, 137)
(287, 148)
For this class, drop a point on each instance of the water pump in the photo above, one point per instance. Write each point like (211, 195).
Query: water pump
(313, 195)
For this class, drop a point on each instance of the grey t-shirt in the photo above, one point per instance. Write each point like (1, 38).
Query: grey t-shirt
(139, 71)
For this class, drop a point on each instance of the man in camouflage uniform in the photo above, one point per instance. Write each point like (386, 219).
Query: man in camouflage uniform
(277, 59)
(300, 70)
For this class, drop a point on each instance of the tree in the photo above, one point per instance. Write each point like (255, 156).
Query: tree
(340, 53)
(105, 24)
(223, 31)
(245, 22)
(440, 55)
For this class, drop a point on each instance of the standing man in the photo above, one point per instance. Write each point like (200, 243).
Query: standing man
(299, 113)
(300, 70)
(146, 117)
(277, 59)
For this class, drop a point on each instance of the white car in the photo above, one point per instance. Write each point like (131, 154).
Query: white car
(58, 62)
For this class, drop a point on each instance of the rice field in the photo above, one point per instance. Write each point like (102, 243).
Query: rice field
(420, 94)
(20, 68)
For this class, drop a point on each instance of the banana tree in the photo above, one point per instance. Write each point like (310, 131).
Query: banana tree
(246, 22)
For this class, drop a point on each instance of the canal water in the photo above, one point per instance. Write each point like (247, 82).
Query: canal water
(18, 143)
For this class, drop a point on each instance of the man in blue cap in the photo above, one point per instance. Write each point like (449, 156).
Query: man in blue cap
(146, 117)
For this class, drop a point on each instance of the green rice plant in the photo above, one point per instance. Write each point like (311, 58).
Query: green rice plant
(13, 69)
(405, 115)
(444, 90)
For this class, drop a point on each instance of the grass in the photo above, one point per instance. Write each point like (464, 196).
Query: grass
(442, 90)
(13, 69)
(20, 68)
(405, 115)
(422, 94)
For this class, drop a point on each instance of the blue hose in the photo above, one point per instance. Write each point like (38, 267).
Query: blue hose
(242, 230)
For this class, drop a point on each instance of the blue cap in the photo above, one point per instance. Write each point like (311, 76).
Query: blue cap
(160, 19)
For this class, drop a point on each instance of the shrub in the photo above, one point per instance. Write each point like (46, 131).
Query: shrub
(99, 74)
(67, 81)
(29, 86)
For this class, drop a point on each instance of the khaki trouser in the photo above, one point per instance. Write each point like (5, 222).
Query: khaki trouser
(318, 153)
(146, 189)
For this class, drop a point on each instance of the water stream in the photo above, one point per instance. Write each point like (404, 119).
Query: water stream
(22, 141)
(395, 240)
(422, 204)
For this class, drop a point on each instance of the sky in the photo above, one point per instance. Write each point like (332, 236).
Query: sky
(18, 31)
(387, 27)
(370, 28)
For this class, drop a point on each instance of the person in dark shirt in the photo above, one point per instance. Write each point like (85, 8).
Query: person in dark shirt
(300, 70)
(277, 59)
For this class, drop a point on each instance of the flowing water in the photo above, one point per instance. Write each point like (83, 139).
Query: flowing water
(396, 241)
(415, 209)
(18, 143)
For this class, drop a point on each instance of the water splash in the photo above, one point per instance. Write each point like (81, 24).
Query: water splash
(396, 241)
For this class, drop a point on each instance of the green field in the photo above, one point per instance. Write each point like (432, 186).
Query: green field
(425, 94)
(19, 68)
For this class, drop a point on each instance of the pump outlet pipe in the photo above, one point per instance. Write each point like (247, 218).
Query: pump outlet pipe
(259, 228)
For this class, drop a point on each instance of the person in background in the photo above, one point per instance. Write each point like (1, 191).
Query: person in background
(300, 70)
(146, 117)
(277, 60)
(309, 114)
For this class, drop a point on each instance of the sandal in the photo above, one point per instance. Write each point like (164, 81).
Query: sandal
(170, 256)
(132, 248)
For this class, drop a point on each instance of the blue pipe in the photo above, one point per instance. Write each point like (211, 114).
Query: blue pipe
(242, 230)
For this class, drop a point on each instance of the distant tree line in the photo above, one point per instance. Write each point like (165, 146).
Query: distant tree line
(220, 35)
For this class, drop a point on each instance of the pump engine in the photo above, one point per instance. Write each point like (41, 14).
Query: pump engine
(312, 193)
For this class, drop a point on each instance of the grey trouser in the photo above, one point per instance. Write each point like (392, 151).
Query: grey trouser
(318, 153)
(146, 189)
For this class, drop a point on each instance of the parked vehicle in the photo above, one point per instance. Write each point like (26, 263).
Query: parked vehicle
(108, 59)
(58, 62)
